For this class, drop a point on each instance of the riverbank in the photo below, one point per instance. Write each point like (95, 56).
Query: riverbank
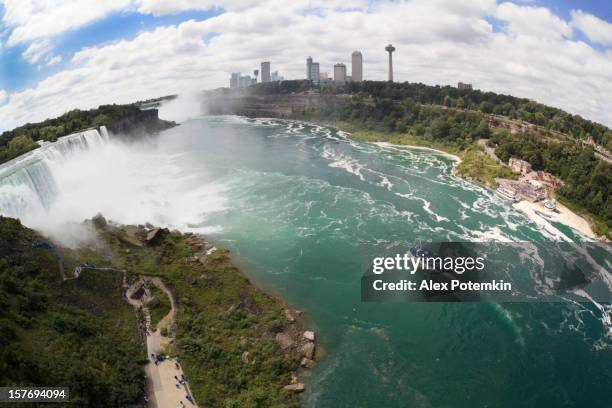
(388, 145)
(472, 163)
(563, 215)
(236, 344)
(475, 166)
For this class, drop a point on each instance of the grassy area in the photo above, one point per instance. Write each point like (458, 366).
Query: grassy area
(220, 316)
(81, 333)
(161, 307)
(478, 166)
(78, 333)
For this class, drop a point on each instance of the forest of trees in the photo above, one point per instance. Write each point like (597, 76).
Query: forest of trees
(487, 102)
(588, 180)
(547, 117)
(455, 128)
(79, 333)
(23, 139)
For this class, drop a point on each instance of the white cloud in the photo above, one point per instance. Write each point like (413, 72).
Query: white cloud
(36, 51)
(3, 96)
(534, 21)
(30, 20)
(438, 42)
(159, 7)
(596, 29)
(40, 53)
(53, 60)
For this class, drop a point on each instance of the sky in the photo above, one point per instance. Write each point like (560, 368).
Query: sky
(57, 55)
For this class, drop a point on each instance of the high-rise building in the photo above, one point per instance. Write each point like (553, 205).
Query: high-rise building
(308, 68)
(241, 81)
(235, 80)
(357, 66)
(265, 71)
(340, 72)
(464, 87)
(314, 72)
(276, 77)
(245, 81)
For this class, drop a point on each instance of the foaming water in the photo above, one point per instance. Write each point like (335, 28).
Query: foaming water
(87, 173)
(296, 203)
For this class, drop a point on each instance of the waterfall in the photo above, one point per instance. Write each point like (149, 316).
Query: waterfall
(27, 183)
(55, 188)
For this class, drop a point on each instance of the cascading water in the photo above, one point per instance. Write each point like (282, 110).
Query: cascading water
(61, 184)
(27, 183)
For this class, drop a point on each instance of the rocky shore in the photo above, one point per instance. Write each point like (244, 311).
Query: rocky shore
(246, 103)
(230, 336)
(143, 122)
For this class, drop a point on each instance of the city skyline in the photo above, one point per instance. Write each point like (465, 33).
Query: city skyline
(98, 53)
(313, 73)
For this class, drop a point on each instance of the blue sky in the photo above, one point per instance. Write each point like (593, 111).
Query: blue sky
(600, 8)
(17, 73)
(110, 46)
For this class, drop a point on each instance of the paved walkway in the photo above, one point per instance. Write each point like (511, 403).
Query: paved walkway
(162, 389)
(489, 150)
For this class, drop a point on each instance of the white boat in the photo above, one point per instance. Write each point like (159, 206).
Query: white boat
(507, 193)
(550, 204)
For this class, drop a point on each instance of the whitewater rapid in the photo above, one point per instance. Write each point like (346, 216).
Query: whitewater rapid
(295, 203)
(84, 174)
(304, 180)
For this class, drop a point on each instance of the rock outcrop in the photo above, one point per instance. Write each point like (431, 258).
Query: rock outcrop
(155, 235)
(307, 349)
(295, 388)
(243, 102)
(289, 316)
(307, 363)
(285, 341)
(142, 123)
(309, 335)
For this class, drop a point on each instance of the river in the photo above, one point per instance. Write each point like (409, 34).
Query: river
(296, 203)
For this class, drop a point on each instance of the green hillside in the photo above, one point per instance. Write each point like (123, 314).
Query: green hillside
(76, 333)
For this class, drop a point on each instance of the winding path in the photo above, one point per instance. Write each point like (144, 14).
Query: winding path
(162, 390)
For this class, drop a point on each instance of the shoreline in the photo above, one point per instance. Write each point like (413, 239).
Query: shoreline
(198, 271)
(564, 215)
(439, 152)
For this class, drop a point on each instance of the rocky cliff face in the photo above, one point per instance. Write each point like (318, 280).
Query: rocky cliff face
(143, 122)
(229, 102)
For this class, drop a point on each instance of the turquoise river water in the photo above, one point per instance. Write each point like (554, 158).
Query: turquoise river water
(296, 203)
